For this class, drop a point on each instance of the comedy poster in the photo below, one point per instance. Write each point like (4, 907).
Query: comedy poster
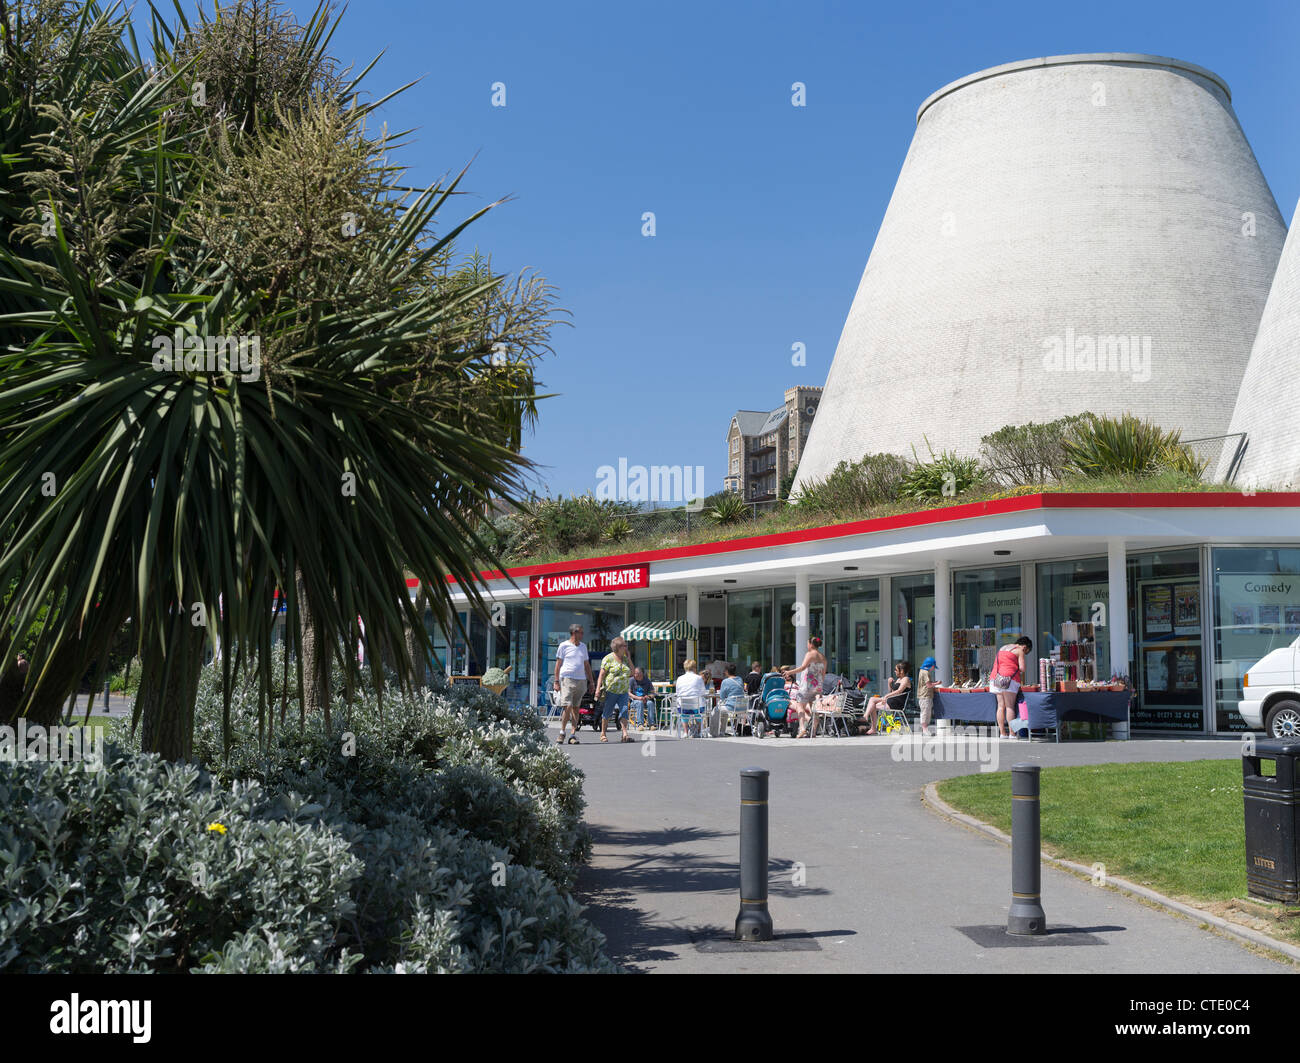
(1187, 609)
(1157, 611)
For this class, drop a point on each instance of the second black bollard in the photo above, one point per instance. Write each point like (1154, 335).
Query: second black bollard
(754, 923)
(1027, 916)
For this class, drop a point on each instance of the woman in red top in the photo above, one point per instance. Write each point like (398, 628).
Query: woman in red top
(1006, 678)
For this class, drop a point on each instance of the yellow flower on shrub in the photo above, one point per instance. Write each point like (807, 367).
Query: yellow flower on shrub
(218, 828)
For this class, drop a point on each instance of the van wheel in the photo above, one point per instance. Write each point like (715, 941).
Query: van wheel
(1283, 720)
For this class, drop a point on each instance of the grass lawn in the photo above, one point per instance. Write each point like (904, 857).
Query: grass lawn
(1178, 828)
(95, 721)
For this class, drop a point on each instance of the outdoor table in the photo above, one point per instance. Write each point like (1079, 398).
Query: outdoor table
(1047, 709)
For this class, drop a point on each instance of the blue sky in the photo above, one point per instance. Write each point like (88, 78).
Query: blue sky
(765, 213)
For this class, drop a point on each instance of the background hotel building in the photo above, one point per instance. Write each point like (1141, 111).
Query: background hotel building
(764, 448)
(1208, 583)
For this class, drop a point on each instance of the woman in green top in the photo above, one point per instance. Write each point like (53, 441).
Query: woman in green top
(615, 680)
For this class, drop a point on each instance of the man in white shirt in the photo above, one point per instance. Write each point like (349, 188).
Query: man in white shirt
(572, 678)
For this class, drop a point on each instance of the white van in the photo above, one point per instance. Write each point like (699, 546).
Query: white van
(1272, 690)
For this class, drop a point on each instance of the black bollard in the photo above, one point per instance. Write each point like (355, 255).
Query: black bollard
(1027, 916)
(754, 923)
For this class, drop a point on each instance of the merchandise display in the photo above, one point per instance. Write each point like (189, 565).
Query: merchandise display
(1077, 655)
(973, 652)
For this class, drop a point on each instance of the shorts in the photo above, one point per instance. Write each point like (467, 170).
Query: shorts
(572, 691)
(616, 706)
(1003, 684)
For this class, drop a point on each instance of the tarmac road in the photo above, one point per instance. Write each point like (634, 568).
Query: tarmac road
(886, 884)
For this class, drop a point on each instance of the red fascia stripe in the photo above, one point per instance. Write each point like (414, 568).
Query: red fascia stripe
(965, 511)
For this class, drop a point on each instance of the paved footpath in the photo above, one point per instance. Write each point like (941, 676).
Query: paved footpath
(888, 884)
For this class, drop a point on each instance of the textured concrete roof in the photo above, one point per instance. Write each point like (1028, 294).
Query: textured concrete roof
(1091, 58)
(1102, 202)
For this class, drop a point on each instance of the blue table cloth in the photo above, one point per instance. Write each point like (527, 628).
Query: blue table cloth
(1046, 709)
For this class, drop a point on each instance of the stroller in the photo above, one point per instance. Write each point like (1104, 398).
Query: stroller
(773, 711)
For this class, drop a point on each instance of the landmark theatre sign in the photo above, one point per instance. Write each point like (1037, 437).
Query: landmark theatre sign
(625, 578)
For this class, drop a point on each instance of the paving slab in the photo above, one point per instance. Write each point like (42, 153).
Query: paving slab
(859, 868)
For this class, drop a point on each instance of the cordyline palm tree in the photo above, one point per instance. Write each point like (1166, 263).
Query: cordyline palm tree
(184, 495)
(62, 59)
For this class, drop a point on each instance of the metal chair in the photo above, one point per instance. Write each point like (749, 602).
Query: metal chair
(893, 717)
(648, 711)
(836, 716)
(686, 715)
(554, 707)
(733, 710)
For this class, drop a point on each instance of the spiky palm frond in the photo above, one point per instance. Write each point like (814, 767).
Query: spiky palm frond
(373, 433)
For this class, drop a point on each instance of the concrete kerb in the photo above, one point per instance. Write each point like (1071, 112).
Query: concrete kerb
(931, 799)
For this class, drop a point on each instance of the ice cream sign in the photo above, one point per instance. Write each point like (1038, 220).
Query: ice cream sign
(629, 577)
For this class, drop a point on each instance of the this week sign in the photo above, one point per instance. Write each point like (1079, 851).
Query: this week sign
(601, 579)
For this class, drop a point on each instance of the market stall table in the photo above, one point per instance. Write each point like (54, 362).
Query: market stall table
(1047, 710)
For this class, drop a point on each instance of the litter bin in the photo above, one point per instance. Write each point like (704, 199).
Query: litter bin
(1271, 805)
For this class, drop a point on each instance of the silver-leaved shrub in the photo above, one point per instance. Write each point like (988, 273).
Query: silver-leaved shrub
(436, 832)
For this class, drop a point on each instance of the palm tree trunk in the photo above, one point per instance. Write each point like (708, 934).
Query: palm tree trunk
(45, 706)
(315, 658)
(413, 649)
(169, 684)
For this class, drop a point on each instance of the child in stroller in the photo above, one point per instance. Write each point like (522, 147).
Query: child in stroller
(773, 712)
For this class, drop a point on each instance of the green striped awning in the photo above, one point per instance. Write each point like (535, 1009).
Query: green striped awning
(658, 631)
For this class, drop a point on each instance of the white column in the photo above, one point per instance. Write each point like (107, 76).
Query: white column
(1117, 615)
(886, 629)
(1029, 614)
(692, 618)
(802, 607)
(534, 642)
(942, 618)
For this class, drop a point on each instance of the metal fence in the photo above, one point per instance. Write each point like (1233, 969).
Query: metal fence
(1214, 450)
(678, 520)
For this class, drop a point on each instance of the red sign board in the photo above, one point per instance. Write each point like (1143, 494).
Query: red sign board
(629, 577)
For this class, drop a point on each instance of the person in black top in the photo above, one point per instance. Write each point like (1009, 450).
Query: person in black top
(754, 680)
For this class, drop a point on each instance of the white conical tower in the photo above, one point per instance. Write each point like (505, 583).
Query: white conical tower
(1266, 405)
(1052, 216)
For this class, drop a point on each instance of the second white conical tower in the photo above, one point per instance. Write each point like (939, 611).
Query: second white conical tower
(1266, 408)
